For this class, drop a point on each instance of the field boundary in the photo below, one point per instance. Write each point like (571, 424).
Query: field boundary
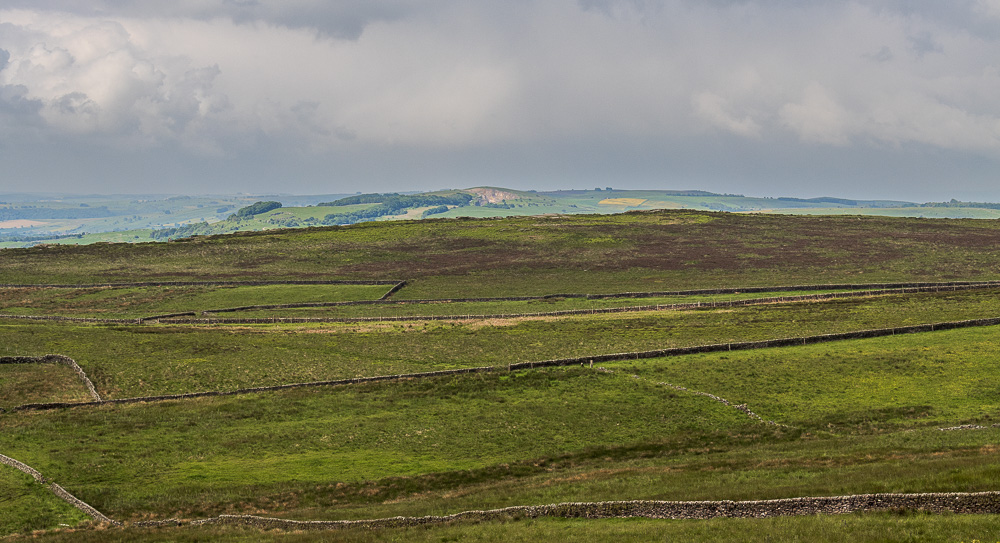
(740, 407)
(578, 360)
(894, 287)
(59, 491)
(176, 318)
(56, 359)
(560, 313)
(938, 502)
(207, 283)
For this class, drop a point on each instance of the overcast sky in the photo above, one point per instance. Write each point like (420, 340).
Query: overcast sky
(864, 99)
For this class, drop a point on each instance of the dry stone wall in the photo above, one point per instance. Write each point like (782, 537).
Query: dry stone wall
(338, 382)
(76, 502)
(56, 359)
(741, 407)
(58, 490)
(865, 289)
(567, 312)
(580, 360)
(16, 464)
(202, 283)
(952, 502)
(93, 320)
(395, 288)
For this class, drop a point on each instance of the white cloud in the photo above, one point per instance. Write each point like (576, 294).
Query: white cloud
(714, 109)
(224, 77)
(817, 117)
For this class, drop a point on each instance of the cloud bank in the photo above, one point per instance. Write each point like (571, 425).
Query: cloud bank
(753, 96)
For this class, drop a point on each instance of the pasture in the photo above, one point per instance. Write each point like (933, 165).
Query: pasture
(848, 417)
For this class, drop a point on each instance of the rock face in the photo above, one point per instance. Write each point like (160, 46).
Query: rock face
(493, 196)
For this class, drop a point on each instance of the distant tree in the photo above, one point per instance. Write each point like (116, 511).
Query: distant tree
(435, 210)
(256, 209)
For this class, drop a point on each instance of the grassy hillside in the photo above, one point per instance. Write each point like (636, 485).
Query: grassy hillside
(849, 417)
(26, 506)
(663, 250)
(28, 220)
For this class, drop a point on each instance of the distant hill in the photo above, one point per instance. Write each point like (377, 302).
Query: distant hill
(89, 219)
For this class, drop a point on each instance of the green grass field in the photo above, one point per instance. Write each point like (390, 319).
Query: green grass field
(126, 361)
(856, 416)
(26, 506)
(39, 383)
(886, 527)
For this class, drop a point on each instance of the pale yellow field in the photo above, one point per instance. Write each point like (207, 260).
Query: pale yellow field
(622, 201)
(19, 223)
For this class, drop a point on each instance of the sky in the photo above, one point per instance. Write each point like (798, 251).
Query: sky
(888, 99)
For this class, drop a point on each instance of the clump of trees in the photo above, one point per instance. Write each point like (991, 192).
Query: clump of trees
(957, 203)
(255, 208)
(188, 230)
(436, 210)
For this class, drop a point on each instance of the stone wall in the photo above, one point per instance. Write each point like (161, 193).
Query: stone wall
(580, 360)
(939, 502)
(58, 490)
(93, 320)
(952, 502)
(56, 359)
(337, 382)
(872, 289)
(658, 307)
(8, 461)
(395, 288)
(204, 283)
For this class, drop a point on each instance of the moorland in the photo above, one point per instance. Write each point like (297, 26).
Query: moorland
(488, 326)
